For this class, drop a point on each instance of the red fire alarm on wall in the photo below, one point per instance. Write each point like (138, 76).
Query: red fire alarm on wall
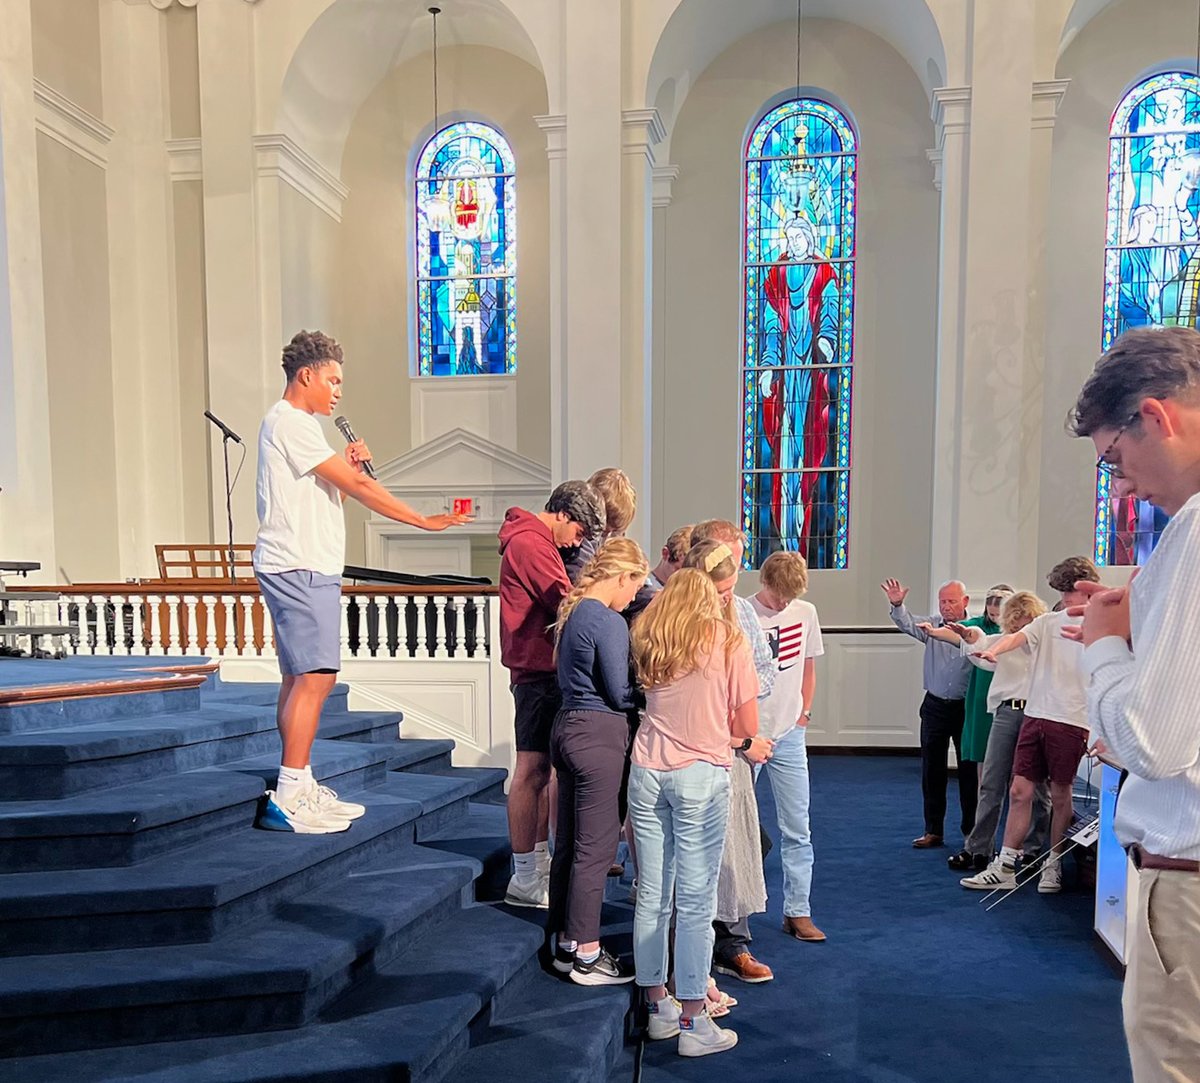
(464, 505)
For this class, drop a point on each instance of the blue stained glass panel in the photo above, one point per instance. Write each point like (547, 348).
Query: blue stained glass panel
(798, 335)
(1152, 258)
(466, 253)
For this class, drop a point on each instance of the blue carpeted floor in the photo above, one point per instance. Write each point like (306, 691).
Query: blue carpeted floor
(917, 982)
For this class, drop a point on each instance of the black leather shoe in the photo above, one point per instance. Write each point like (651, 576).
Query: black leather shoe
(965, 861)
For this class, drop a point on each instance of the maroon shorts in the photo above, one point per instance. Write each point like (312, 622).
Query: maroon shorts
(1048, 749)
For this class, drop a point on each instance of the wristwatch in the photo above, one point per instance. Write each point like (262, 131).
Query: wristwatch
(806, 715)
(745, 745)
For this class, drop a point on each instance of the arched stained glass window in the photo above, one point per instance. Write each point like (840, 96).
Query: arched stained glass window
(1151, 260)
(798, 341)
(466, 253)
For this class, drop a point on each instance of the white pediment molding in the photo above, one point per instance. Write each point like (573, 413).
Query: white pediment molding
(460, 460)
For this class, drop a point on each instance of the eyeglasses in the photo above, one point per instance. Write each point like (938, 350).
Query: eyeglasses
(1110, 468)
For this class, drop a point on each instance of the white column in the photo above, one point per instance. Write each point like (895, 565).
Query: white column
(27, 508)
(589, 230)
(642, 130)
(555, 128)
(145, 369)
(983, 311)
(238, 370)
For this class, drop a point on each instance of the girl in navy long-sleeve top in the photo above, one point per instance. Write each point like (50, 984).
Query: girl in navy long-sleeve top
(589, 747)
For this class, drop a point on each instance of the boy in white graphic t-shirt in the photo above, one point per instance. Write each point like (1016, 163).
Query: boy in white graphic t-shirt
(793, 630)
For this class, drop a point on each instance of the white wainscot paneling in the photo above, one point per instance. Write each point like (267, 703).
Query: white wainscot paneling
(868, 691)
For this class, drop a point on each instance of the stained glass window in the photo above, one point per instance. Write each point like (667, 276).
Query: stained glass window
(466, 253)
(1151, 260)
(798, 340)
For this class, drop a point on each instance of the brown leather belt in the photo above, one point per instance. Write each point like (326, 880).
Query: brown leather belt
(1143, 860)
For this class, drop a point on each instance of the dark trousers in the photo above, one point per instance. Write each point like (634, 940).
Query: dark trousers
(589, 750)
(941, 723)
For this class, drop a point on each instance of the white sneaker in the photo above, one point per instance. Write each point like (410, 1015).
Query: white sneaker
(996, 875)
(327, 800)
(535, 893)
(1050, 880)
(664, 1019)
(700, 1036)
(303, 817)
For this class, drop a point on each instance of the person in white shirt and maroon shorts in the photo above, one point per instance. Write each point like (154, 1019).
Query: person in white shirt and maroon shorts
(1141, 407)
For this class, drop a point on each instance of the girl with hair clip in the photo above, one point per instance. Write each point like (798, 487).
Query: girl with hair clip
(741, 886)
(589, 746)
(701, 689)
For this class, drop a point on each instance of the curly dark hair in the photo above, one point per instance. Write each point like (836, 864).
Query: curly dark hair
(582, 504)
(1145, 362)
(1066, 573)
(309, 349)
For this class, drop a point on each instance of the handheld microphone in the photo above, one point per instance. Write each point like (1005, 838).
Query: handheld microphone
(229, 433)
(343, 426)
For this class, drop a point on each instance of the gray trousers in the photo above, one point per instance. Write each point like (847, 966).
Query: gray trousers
(994, 777)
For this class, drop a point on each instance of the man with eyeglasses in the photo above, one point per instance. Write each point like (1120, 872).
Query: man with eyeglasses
(1141, 407)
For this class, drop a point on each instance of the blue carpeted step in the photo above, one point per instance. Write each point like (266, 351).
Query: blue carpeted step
(483, 835)
(276, 973)
(267, 695)
(408, 1021)
(552, 1031)
(197, 893)
(60, 762)
(125, 824)
(90, 710)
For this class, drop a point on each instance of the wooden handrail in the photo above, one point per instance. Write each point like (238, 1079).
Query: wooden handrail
(188, 587)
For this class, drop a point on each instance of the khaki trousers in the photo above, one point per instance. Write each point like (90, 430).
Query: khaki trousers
(1162, 980)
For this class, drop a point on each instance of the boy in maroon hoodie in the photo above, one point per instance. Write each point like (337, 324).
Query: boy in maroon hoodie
(532, 583)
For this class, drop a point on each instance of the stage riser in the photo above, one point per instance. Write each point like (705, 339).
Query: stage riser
(136, 757)
(94, 710)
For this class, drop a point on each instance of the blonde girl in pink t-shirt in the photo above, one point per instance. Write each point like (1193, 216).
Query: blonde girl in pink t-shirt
(701, 689)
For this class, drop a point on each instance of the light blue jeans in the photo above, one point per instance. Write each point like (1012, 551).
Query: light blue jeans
(787, 770)
(679, 830)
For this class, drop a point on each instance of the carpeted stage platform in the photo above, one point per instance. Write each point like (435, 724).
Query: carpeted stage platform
(138, 905)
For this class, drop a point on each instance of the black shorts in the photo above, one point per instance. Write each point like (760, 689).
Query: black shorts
(537, 703)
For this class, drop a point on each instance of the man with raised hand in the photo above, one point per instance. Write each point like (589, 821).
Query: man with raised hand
(946, 673)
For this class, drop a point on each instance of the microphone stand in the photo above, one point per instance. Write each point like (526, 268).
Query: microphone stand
(228, 502)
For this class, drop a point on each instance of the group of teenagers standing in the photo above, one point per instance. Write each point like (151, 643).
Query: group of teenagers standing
(654, 697)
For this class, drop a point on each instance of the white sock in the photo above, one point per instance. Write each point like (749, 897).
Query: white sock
(590, 958)
(541, 851)
(1008, 856)
(308, 776)
(526, 866)
(567, 945)
(292, 783)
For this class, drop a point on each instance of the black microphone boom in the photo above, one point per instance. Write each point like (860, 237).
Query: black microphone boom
(343, 426)
(229, 433)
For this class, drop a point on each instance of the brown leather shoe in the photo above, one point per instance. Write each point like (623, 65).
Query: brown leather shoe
(927, 842)
(803, 929)
(747, 968)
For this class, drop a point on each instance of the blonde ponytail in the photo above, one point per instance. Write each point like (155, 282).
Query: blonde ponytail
(615, 557)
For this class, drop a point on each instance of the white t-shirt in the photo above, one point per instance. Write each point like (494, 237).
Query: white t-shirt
(301, 525)
(1056, 687)
(794, 635)
(1011, 670)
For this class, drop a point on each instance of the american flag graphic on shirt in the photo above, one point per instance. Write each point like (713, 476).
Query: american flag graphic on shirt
(787, 644)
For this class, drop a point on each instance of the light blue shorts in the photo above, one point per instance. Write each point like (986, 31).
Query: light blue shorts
(306, 609)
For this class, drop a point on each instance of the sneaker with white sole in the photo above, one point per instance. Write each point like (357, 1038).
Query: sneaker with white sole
(534, 893)
(302, 817)
(700, 1036)
(996, 876)
(1050, 880)
(327, 800)
(603, 970)
(664, 1016)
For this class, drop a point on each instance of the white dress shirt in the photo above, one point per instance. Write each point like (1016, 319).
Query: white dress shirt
(1145, 703)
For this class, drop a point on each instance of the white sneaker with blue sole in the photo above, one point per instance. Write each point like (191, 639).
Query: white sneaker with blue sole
(302, 817)
(328, 801)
